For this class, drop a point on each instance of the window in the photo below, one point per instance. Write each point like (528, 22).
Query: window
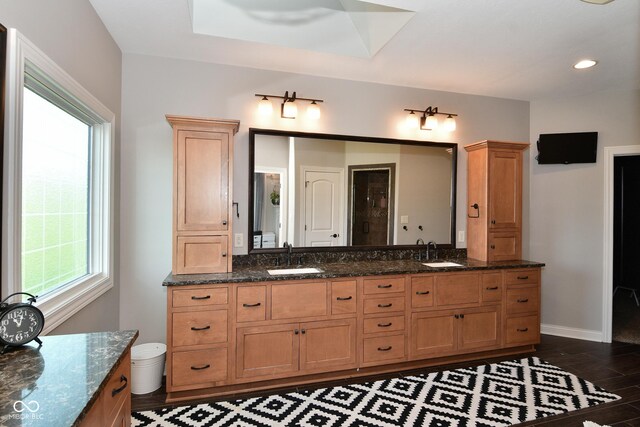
(58, 206)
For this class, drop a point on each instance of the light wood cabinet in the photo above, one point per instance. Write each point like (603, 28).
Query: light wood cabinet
(230, 338)
(494, 200)
(202, 198)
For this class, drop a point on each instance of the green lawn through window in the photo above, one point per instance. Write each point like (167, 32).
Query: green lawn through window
(55, 208)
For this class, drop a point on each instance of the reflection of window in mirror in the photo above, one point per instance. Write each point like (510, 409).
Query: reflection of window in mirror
(268, 201)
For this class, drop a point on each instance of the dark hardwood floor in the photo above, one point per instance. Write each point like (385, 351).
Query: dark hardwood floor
(616, 367)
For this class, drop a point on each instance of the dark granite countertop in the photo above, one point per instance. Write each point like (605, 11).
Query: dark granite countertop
(56, 384)
(346, 269)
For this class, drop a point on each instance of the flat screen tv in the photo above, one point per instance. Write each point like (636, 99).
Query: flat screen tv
(566, 148)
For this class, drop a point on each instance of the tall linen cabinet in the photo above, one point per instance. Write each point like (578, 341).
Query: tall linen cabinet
(494, 200)
(202, 199)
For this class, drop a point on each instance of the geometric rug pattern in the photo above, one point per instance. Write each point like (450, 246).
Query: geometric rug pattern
(499, 394)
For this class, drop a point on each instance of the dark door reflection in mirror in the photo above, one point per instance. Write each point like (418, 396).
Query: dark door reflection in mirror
(332, 192)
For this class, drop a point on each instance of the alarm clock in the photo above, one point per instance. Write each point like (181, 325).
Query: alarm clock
(20, 322)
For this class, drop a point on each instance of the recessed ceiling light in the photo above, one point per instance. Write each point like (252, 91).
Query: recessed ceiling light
(585, 63)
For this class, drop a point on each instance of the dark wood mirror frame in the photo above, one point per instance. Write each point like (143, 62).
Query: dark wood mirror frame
(253, 132)
(3, 62)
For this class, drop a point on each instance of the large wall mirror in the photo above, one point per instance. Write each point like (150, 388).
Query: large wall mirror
(330, 192)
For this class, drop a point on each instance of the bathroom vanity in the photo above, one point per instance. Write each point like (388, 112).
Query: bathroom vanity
(249, 330)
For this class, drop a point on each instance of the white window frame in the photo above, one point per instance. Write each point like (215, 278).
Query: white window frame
(63, 303)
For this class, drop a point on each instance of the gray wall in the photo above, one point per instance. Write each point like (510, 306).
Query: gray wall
(153, 87)
(567, 208)
(70, 33)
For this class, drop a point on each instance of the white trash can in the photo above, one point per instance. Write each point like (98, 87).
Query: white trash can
(147, 367)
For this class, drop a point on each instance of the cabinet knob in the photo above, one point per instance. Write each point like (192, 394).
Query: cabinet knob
(456, 316)
(224, 222)
(492, 246)
(493, 221)
(296, 332)
(224, 254)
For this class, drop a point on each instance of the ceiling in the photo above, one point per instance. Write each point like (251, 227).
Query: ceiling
(521, 49)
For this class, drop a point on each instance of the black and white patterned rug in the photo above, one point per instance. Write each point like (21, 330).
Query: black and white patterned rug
(500, 394)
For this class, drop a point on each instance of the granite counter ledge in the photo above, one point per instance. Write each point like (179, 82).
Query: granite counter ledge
(65, 376)
(335, 270)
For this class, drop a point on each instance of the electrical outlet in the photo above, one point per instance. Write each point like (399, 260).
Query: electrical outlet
(461, 236)
(238, 241)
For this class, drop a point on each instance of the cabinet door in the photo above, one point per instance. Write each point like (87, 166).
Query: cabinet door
(505, 198)
(504, 246)
(267, 351)
(328, 345)
(202, 181)
(457, 290)
(299, 300)
(201, 254)
(479, 328)
(432, 334)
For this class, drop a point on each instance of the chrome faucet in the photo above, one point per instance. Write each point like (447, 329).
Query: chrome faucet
(420, 242)
(435, 249)
(289, 248)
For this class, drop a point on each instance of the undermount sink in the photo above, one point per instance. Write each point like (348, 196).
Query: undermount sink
(285, 271)
(442, 264)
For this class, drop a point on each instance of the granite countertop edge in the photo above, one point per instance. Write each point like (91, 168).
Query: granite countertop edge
(337, 270)
(92, 400)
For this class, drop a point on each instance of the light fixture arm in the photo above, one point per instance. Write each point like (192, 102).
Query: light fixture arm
(429, 111)
(288, 98)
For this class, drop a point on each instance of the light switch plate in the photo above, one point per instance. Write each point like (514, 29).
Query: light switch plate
(238, 240)
(461, 236)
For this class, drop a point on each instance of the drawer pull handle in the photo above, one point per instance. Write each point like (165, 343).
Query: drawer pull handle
(385, 286)
(522, 330)
(385, 305)
(422, 292)
(492, 288)
(523, 277)
(252, 305)
(119, 389)
(344, 298)
(204, 328)
(385, 348)
(200, 368)
(199, 298)
(523, 300)
(384, 325)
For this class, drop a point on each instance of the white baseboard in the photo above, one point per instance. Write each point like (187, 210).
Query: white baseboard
(563, 331)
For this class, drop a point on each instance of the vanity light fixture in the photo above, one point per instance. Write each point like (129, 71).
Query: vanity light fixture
(289, 106)
(429, 119)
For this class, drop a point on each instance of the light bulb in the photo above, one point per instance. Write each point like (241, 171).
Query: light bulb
(289, 110)
(412, 121)
(430, 122)
(585, 63)
(313, 111)
(449, 123)
(265, 107)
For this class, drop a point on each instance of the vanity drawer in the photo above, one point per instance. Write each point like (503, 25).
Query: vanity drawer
(522, 277)
(421, 292)
(383, 285)
(251, 303)
(522, 300)
(523, 330)
(199, 297)
(384, 324)
(457, 289)
(299, 300)
(383, 305)
(199, 327)
(383, 348)
(118, 388)
(199, 366)
(343, 297)
(491, 287)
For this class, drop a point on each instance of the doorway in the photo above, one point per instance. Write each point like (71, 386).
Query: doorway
(323, 207)
(371, 196)
(626, 249)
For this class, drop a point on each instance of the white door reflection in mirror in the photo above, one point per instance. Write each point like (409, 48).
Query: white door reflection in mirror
(270, 207)
(323, 194)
